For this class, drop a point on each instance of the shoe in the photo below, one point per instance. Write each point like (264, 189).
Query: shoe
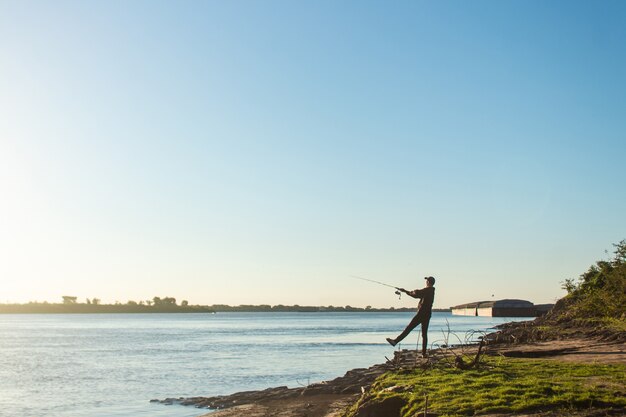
(391, 341)
(424, 355)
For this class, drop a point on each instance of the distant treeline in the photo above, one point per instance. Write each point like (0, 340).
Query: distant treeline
(58, 308)
(70, 305)
(307, 309)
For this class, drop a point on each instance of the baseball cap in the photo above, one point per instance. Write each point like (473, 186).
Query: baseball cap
(430, 280)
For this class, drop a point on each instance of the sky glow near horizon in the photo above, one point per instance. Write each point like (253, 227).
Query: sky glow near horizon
(264, 152)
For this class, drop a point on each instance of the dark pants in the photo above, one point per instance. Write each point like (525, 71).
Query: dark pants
(419, 318)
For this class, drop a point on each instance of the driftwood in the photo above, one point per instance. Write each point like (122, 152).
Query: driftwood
(461, 364)
(461, 355)
(465, 354)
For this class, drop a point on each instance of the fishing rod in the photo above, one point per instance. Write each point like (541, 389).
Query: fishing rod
(398, 293)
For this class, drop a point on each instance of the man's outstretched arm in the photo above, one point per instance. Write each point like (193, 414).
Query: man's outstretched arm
(414, 293)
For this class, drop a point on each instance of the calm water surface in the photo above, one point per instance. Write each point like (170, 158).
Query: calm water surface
(113, 364)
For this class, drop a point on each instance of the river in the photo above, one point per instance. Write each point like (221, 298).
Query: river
(109, 365)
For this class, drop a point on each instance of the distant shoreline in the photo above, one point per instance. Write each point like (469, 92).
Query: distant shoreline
(43, 308)
(58, 308)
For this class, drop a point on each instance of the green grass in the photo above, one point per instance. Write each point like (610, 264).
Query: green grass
(505, 385)
(615, 324)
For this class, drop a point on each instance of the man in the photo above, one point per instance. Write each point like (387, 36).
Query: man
(424, 310)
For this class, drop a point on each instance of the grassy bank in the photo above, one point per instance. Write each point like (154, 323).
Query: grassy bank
(501, 385)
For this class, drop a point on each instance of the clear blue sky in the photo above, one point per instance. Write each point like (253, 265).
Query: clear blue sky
(262, 152)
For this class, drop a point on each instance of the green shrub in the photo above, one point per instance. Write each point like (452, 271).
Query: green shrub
(601, 291)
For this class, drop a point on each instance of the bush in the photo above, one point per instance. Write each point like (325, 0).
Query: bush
(601, 291)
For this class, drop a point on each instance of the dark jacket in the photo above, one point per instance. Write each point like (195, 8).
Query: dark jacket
(426, 296)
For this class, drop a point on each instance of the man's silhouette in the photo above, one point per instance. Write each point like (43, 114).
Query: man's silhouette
(424, 310)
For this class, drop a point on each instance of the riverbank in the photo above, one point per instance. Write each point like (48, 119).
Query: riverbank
(385, 389)
(570, 361)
